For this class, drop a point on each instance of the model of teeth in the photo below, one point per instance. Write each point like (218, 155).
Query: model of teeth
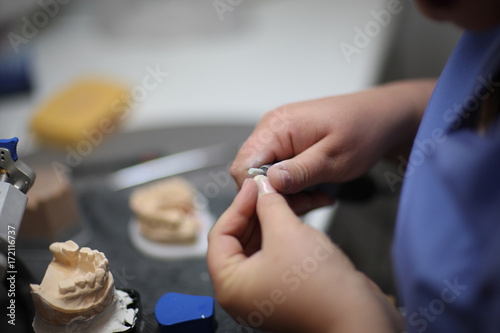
(77, 284)
(165, 211)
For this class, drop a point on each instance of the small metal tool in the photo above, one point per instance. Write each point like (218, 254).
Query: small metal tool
(259, 171)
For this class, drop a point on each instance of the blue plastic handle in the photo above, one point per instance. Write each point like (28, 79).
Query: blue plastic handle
(181, 313)
(11, 145)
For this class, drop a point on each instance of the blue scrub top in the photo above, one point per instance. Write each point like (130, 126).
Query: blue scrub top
(446, 249)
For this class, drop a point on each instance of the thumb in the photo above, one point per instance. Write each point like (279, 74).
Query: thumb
(310, 167)
(273, 210)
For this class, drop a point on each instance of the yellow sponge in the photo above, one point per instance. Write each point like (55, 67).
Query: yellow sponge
(83, 110)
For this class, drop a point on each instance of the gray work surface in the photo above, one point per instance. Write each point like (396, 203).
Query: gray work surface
(106, 215)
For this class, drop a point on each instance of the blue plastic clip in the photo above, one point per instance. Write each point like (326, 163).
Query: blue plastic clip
(11, 145)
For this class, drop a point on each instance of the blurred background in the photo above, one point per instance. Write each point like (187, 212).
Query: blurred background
(193, 73)
(224, 62)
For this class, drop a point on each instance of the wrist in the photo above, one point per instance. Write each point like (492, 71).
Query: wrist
(364, 308)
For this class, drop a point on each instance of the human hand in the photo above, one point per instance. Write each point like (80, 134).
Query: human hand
(272, 272)
(333, 139)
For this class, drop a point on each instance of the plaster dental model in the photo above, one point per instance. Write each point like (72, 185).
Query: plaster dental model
(78, 290)
(166, 211)
(52, 210)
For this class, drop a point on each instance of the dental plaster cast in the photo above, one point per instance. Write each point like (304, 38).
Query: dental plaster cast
(166, 211)
(77, 289)
(52, 210)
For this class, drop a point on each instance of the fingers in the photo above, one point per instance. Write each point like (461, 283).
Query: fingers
(303, 202)
(269, 142)
(310, 167)
(224, 240)
(253, 155)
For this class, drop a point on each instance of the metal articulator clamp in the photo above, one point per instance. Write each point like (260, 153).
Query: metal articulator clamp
(16, 178)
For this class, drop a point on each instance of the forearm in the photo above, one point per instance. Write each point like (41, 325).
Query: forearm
(400, 106)
(385, 119)
(407, 101)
